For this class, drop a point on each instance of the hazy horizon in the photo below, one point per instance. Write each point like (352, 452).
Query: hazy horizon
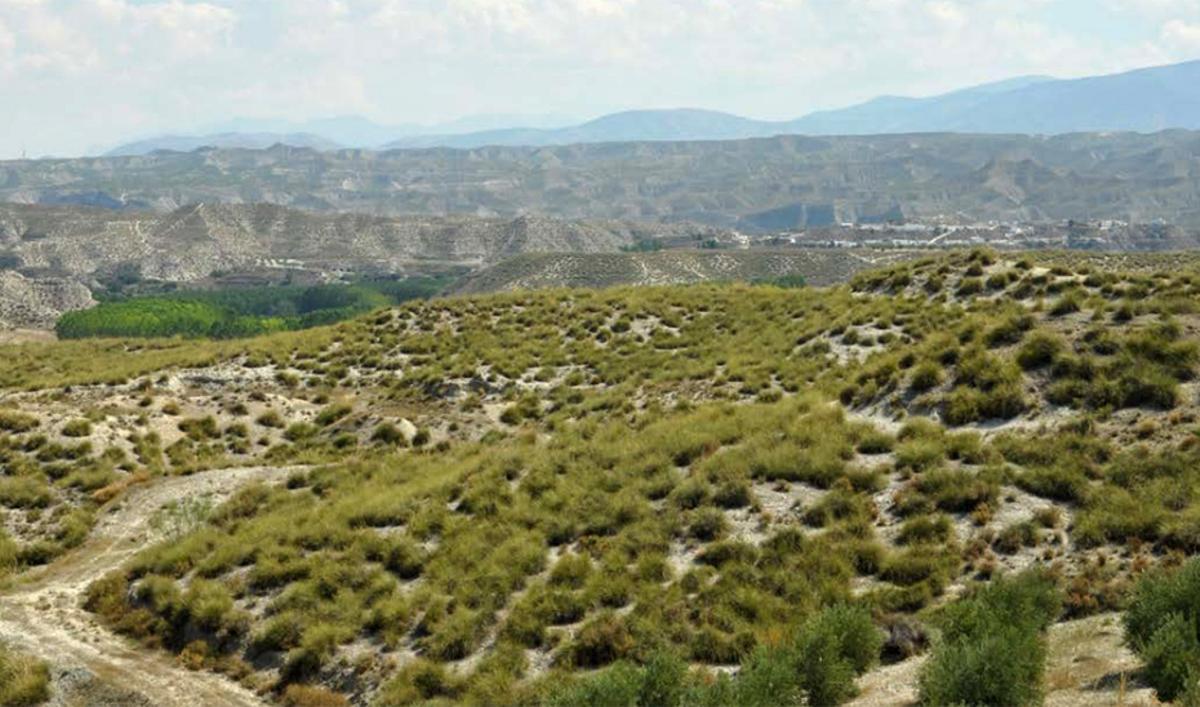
(84, 75)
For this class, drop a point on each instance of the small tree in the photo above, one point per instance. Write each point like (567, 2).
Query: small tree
(992, 649)
(1162, 625)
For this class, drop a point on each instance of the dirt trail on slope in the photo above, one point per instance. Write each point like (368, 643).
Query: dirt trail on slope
(43, 615)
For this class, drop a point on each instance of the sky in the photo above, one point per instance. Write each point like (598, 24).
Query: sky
(80, 76)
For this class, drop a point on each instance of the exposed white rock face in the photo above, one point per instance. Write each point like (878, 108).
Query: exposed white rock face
(36, 303)
(189, 243)
(74, 245)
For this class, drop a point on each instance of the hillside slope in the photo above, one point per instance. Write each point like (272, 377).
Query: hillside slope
(755, 185)
(537, 271)
(190, 242)
(508, 496)
(35, 303)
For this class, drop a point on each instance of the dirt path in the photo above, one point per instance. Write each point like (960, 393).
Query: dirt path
(42, 615)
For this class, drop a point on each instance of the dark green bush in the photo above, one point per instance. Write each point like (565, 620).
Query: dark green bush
(1162, 625)
(992, 649)
(925, 376)
(389, 434)
(661, 682)
(1039, 351)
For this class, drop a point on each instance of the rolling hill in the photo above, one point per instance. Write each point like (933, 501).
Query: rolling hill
(49, 254)
(543, 270)
(962, 467)
(767, 184)
(249, 141)
(189, 243)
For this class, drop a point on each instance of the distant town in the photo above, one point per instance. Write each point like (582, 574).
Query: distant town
(1073, 235)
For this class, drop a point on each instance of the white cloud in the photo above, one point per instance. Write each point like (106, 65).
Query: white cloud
(8, 42)
(1182, 35)
(96, 71)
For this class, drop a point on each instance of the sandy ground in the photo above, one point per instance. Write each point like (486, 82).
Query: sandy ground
(43, 616)
(26, 336)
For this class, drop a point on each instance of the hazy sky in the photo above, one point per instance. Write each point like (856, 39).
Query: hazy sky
(76, 75)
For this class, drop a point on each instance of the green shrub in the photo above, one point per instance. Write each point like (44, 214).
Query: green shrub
(1172, 657)
(993, 647)
(850, 630)
(1016, 536)
(769, 677)
(957, 490)
(312, 696)
(925, 377)
(969, 286)
(17, 422)
(733, 494)
(332, 414)
(602, 640)
(1010, 331)
(926, 529)
(1067, 304)
(707, 524)
(1162, 625)
(1058, 483)
(875, 442)
(24, 492)
(419, 681)
(389, 434)
(9, 554)
(663, 680)
(617, 685)
(660, 683)
(200, 429)
(77, 428)
(300, 431)
(271, 418)
(23, 680)
(1039, 351)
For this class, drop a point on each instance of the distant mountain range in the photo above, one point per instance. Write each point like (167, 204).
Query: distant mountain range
(327, 133)
(754, 185)
(231, 140)
(1146, 100)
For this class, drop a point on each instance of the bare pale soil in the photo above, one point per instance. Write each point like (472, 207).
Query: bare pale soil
(43, 614)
